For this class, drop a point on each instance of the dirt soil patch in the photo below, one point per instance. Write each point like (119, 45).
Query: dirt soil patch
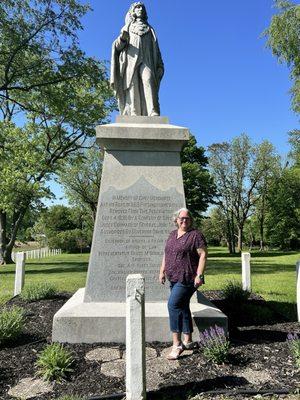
(259, 357)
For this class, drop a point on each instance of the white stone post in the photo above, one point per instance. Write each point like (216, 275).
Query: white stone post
(20, 272)
(298, 288)
(246, 271)
(135, 338)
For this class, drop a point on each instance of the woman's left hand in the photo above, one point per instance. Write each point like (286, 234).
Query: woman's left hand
(197, 282)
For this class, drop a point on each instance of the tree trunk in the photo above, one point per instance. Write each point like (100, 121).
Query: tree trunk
(14, 231)
(3, 238)
(228, 234)
(261, 232)
(7, 255)
(240, 239)
(232, 233)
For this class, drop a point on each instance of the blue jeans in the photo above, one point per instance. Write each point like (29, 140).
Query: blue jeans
(179, 307)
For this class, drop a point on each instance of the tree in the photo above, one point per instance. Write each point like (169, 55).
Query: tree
(283, 217)
(61, 227)
(38, 48)
(214, 227)
(272, 162)
(284, 41)
(59, 93)
(81, 177)
(199, 186)
(294, 154)
(241, 173)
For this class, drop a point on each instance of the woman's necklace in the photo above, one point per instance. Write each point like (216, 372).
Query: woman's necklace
(180, 233)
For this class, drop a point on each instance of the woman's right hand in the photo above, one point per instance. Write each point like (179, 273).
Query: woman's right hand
(162, 278)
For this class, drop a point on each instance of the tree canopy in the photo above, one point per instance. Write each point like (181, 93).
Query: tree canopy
(51, 97)
(284, 41)
(241, 171)
(198, 183)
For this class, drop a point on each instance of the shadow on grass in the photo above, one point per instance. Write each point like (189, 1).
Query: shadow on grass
(254, 254)
(212, 254)
(230, 267)
(41, 268)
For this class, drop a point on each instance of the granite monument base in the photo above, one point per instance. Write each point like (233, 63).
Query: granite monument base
(105, 322)
(141, 187)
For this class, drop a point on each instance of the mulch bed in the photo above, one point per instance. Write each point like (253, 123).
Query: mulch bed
(257, 350)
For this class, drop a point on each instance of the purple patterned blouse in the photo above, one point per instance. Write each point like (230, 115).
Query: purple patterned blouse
(181, 256)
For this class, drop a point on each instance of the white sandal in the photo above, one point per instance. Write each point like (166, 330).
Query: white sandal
(175, 352)
(189, 345)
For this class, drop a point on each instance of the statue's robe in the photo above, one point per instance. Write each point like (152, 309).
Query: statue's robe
(127, 57)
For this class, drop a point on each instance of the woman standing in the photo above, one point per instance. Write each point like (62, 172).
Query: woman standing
(183, 265)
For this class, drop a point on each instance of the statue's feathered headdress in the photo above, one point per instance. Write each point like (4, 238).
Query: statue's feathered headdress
(130, 15)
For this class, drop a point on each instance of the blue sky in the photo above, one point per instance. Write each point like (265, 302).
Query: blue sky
(220, 79)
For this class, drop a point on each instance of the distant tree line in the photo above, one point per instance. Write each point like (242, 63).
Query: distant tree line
(257, 202)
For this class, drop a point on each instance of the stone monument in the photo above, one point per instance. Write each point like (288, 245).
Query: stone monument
(141, 187)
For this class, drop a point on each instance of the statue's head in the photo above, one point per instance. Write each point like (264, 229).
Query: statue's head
(136, 10)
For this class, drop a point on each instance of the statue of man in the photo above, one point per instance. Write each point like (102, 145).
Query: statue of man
(136, 65)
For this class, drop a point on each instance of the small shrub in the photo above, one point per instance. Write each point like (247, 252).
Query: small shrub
(294, 345)
(214, 344)
(38, 291)
(70, 397)
(54, 362)
(234, 293)
(11, 323)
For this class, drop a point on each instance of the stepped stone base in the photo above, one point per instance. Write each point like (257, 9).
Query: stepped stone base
(105, 322)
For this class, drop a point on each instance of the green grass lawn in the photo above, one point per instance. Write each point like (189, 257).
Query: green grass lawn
(66, 271)
(273, 274)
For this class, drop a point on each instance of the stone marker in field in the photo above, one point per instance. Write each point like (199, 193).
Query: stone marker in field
(20, 259)
(135, 338)
(141, 187)
(246, 271)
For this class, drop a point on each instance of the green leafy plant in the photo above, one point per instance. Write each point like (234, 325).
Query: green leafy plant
(294, 345)
(38, 291)
(54, 362)
(214, 344)
(70, 397)
(234, 292)
(11, 323)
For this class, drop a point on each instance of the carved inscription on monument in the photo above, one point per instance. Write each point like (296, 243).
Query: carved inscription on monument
(132, 228)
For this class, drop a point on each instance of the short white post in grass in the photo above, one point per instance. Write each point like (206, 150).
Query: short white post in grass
(246, 271)
(298, 288)
(20, 272)
(135, 338)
